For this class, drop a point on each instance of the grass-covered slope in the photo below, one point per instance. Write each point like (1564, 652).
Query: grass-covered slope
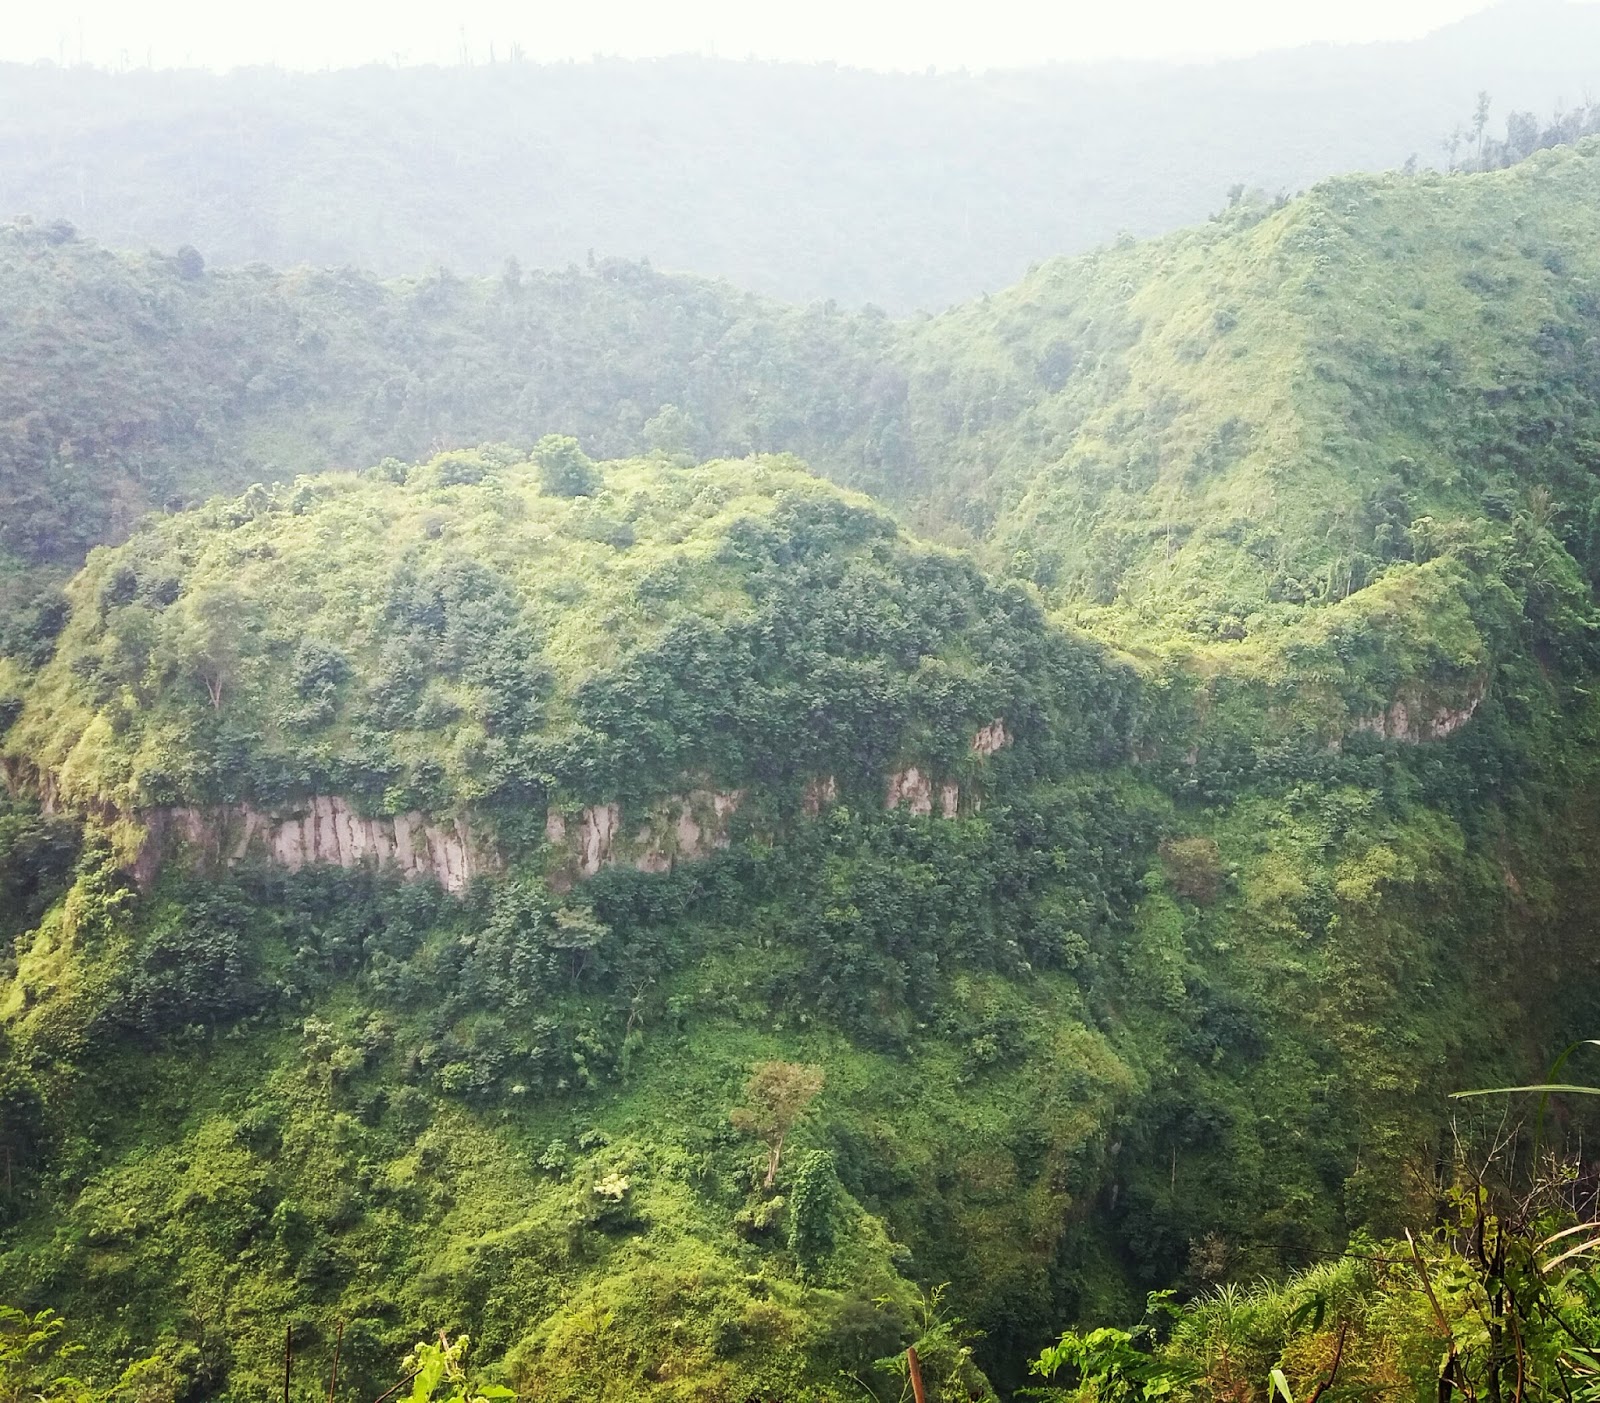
(1212, 429)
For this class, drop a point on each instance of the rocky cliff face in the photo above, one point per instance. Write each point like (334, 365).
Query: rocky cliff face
(326, 829)
(912, 789)
(679, 828)
(1415, 719)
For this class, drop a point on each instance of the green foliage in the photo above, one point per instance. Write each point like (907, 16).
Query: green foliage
(439, 1374)
(752, 626)
(37, 854)
(192, 965)
(815, 1200)
(564, 468)
(692, 160)
(778, 1094)
(129, 387)
(34, 1358)
(1168, 994)
(944, 1347)
(1488, 1305)
(1113, 1366)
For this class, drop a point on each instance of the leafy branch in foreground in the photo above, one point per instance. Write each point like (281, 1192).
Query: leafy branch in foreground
(438, 1374)
(943, 1351)
(1115, 1366)
(34, 1358)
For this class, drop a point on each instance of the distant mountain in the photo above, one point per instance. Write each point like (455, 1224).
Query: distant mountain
(806, 182)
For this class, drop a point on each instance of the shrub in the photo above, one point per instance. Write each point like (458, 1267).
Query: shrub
(1193, 868)
(565, 470)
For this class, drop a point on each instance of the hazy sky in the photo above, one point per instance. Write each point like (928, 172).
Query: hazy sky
(904, 34)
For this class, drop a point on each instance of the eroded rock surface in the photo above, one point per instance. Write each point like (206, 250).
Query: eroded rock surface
(991, 738)
(680, 828)
(596, 830)
(818, 794)
(326, 829)
(1413, 720)
(911, 788)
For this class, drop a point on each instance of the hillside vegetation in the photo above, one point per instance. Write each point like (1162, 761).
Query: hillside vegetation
(1101, 907)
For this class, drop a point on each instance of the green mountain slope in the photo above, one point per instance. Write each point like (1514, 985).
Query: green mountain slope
(1254, 414)
(466, 641)
(1124, 970)
(1298, 379)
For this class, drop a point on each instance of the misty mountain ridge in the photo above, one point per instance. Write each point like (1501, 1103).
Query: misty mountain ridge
(806, 182)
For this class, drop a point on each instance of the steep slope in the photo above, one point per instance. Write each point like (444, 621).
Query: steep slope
(1306, 379)
(1206, 432)
(488, 630)
(1114, 981)
(740, 772)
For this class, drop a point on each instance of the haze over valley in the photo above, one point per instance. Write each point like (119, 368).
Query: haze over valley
(702, 730)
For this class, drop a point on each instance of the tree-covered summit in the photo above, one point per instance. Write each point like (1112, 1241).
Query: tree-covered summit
(502, 631)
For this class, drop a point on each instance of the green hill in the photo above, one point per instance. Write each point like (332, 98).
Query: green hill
(411, 864)
(495, 632)
(494, 642)
(133, 383)
(1267, 405)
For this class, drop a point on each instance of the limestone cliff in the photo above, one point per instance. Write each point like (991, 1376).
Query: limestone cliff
(325, 829)
(451, 851)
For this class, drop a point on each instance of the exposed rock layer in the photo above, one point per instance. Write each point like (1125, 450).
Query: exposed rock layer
(325, 830)
(679, 828)
(1413, 719)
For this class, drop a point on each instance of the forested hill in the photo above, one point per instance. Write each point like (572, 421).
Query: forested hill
(661, 917)
(802, 182)
(1209, 428)
(139, 381)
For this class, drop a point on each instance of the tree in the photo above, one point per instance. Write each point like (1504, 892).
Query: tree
(206, 636)
(565, 470)
(579, 935)
(1480, 122)
(779, 1095)
(814, 1206)
(669, 432)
